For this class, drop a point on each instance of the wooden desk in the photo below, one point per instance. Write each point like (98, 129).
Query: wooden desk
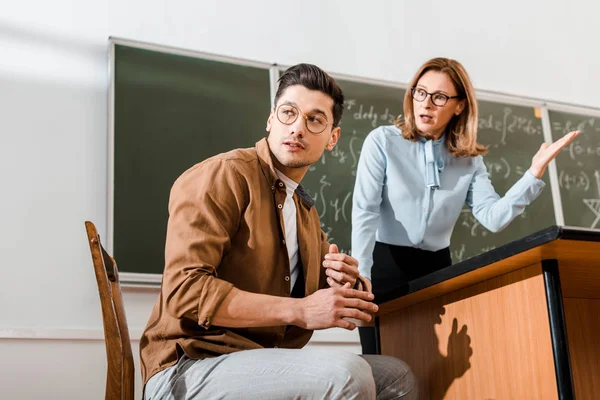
(517, 322)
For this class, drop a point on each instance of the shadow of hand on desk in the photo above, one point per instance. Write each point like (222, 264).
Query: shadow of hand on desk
(459, 350)
(455, 363)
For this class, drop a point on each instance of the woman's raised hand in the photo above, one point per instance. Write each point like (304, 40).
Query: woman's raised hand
(547, 152)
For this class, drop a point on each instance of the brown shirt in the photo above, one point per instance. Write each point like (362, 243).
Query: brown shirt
(226, 229)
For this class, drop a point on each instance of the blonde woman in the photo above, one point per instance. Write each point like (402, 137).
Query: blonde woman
(414, 177)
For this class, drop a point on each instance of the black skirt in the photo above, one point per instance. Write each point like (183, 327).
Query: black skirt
(393, 268)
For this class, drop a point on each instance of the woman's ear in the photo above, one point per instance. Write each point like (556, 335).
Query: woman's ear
(460, 107)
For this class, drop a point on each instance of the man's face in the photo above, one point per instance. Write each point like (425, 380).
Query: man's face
(293, 127)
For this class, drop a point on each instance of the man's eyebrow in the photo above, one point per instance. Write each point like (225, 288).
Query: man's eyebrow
(319, 111)
(313, 111)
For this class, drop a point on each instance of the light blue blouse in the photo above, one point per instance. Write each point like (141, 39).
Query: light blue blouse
(411, 194)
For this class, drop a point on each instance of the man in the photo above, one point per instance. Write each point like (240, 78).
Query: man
(249, 273)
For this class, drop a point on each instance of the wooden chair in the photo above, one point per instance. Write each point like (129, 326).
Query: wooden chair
(120, 372)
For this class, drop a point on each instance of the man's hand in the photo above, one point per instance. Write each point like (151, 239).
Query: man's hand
(340, 268)
(328, 308)
(367, 282)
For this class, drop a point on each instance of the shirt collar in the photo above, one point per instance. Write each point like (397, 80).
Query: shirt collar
(435, 142)
(290, 184)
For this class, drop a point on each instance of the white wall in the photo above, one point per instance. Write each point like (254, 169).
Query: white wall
(53, 126)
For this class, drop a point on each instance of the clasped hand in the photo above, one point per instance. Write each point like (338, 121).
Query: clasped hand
(328, 308)
(340, 268)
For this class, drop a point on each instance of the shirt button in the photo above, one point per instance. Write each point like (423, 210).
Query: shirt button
(280, 206)
(280, 184)
(287, 278)
(283, 241)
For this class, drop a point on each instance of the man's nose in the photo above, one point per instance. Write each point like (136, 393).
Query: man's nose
(299, 126)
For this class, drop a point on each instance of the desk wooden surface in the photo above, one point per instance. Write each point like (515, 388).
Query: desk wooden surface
(481, 328)
(579, 259)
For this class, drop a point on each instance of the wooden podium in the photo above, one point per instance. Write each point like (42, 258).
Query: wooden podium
(519, 322)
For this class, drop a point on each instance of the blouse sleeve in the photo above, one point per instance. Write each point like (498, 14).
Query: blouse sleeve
(495, 212)
(366, 200)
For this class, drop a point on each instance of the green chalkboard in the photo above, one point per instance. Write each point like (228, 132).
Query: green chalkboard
(173, 109)
(170, 112)
(578, 168)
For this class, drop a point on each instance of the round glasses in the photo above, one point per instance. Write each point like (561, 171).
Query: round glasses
(438, 99)
(315, 122)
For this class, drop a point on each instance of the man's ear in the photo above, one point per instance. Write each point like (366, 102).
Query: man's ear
(270, 120)
(333, 139)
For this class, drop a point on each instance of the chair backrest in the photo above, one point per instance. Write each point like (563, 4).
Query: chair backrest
(120, 374)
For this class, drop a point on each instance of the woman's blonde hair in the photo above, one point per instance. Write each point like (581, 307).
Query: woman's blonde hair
(461, 132)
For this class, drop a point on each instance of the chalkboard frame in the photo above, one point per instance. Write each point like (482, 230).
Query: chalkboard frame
(135, 279)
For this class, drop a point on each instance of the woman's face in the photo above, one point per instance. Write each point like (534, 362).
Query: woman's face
(433, 89)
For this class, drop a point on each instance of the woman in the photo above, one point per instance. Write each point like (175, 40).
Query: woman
(414, 177)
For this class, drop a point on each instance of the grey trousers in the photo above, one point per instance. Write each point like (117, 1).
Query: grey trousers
(267, 374)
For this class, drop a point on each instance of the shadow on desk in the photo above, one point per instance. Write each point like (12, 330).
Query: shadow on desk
(440, 351)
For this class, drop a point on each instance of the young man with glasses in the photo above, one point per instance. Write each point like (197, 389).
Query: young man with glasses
(249, 273)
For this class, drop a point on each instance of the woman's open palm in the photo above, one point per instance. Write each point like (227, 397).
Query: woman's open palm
(547, 152)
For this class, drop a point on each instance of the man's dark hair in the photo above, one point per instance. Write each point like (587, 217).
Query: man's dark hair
(313, 78)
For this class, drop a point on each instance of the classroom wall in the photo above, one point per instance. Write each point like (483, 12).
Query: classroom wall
(53, 129)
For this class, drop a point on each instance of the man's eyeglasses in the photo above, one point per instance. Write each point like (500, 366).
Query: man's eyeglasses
(438, 99)
(288, 114)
